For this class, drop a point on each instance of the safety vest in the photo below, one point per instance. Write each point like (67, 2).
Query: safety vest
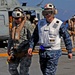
(20, 35)
(49, 33)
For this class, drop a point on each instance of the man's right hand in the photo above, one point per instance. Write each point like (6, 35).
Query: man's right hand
(8, 52)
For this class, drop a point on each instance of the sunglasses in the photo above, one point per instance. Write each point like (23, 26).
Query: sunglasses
(16, 18)
(47, 12)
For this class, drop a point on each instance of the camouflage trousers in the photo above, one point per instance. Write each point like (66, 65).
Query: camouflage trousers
(48, 61)
(22, 65)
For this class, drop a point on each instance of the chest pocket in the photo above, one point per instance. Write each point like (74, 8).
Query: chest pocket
(53, 33)
(25, 34)
(54, 30)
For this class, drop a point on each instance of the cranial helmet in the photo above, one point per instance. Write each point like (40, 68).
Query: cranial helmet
(50, 8)
(73, 16)
(36, 19)
(18, 12)
(49, 5)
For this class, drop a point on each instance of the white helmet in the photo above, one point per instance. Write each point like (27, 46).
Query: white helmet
(18, 12)
(36, 19)
(73, 16)
(49, 8)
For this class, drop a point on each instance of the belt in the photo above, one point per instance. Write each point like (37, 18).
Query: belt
(48, 47)
(43, 47)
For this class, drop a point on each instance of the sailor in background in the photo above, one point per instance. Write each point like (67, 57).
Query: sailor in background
(35, 22)
(48, 34)
(71, 29)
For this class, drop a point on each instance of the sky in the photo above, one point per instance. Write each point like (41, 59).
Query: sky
(66, 8)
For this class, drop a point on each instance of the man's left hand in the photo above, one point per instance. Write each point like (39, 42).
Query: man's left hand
(70, 55)
(30, 51)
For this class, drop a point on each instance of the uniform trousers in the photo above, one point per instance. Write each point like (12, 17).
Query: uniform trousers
(20, 66)
(49, 60)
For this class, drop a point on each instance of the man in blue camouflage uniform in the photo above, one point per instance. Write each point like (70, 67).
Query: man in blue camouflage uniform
(48, 34)
(18, 43)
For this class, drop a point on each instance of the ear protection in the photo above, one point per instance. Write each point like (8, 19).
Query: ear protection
(55, 11)
(18, 12)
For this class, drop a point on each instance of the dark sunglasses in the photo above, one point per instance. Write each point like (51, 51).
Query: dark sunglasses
(16, 18)
(47, 12)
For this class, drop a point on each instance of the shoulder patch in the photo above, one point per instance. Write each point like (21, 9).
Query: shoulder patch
(57, 21)
(56, 24)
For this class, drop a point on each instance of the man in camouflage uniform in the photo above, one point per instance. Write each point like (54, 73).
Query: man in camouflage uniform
(48, 34)
(18, 44)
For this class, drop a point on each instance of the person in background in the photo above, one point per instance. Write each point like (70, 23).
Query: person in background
(71, 28)
(18, 44)
(28, 23)
(35, 22)
(48, 33)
